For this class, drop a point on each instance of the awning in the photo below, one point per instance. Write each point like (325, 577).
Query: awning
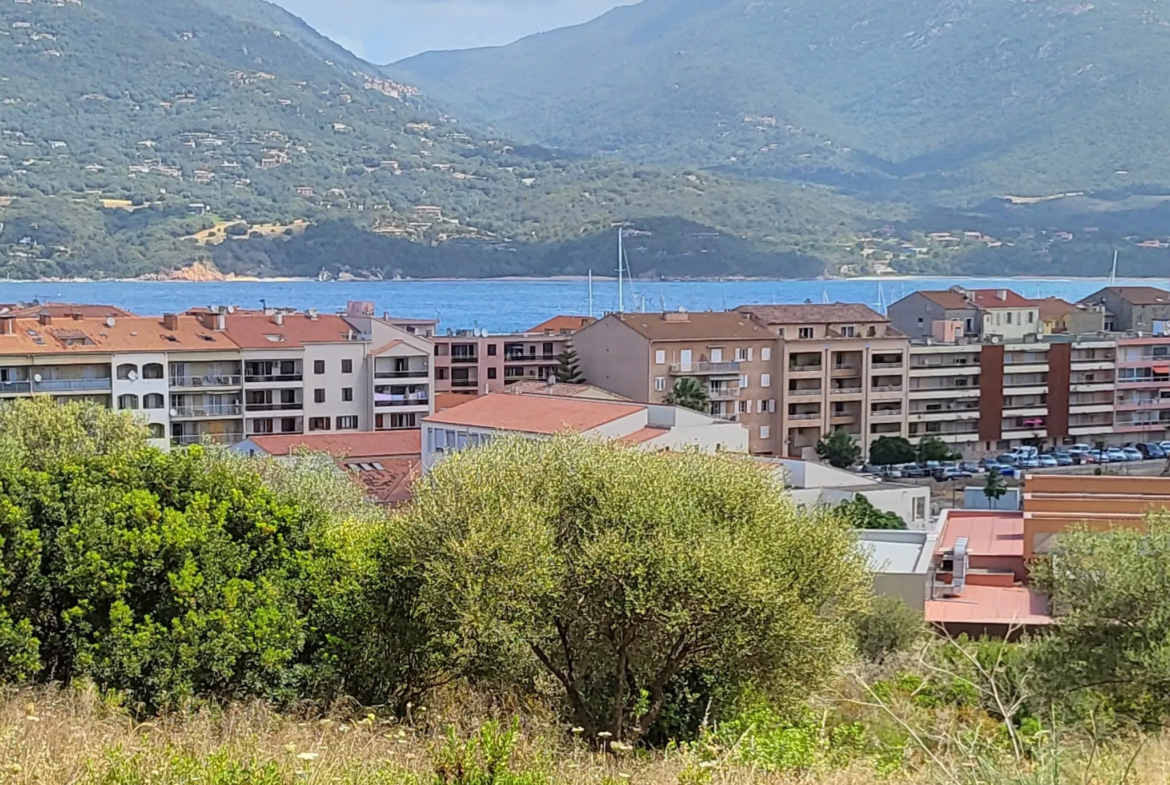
(1162, 369)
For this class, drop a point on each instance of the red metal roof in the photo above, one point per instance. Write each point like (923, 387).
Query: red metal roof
(987, 533)
(990, 605)
(534, 413)
(367, 444)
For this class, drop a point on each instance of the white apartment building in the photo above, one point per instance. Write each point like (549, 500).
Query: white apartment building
(223, 375)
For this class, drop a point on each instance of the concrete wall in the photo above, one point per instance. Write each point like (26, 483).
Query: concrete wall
(974, 499)
(910, 588)
(898, 499)
(616, 358)
(333, 381)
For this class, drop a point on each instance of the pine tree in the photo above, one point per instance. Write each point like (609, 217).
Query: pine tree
(568, 367)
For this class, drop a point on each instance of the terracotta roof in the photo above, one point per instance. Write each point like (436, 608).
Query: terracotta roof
(449, 400)
(559, 324)
(1135, 295)
(391, 485)
(990, 605)
(955, 300)
(534, 413)
(987, 533)
(812, 314)
(386, 347)
(562, 390)
(643, 436)
(124, 335)
(251, 330)
(1053, 308)
(707, 325)
(366, 444)
(63, 310)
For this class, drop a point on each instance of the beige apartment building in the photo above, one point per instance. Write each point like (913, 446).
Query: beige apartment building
(641, 356)
(790, 374)
(840, 367)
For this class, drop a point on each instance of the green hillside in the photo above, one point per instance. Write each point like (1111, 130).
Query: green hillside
(950, 101)
(129, 127)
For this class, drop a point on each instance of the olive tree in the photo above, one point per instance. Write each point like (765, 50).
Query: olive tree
(615, 571)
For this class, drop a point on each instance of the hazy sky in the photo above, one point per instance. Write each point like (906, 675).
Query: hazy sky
(386, 30)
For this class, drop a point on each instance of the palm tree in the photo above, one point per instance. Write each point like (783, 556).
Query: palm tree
(689, 393)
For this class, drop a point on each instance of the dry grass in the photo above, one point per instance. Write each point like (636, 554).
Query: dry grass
(73, 737)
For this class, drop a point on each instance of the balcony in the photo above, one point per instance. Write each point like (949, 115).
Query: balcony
(705, 369)
(880, 414)
(723, 393)
(15, 388)
(207, 380)
(806, 368)
(469, 383)
(887, 389)
(198, 412)
(210, 438)
(806, 393)
(464, 359)
(407, 399)
(276, 407)
(804, 416)
(413, 373)
(274, 378)
(71, 385)
(845, 370)
(888, 366)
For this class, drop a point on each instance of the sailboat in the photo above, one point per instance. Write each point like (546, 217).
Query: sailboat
(624, 267)
(1113, 272)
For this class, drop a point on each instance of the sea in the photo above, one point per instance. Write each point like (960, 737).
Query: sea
(518, 304)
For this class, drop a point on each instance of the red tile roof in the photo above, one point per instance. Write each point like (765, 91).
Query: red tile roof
(1134, 295)
(983, 298)
(559, 324)
(63, 310)
(997, 605)
(952, 301)
(393, 484)
(448, 400)
(812, 314)
(542, 414)
(100, 336)
(251, 330)
(643, 436)
(367, 444)
(1053, 309)
(987, 533)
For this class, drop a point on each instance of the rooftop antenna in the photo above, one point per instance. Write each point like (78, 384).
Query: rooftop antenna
(1113, 272)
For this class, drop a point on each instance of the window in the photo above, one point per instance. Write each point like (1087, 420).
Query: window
(152, 371)
(806, 333)
(780, 332)
(766, 353)
(919, 509)
(745, 407)
(771, 406)
(440, 374)
(318, 396)
(1009, 317)
(765, 432)
(318, 367)
(262, 426)
(491, 373)
(347, 366)
(347, 394)
(127, 401)
(153, 401)
(765, 380)
(348, 423)
(659, 357)
(744, 381)
(660, 384)
(125, 371)
(1031, 317)
(157, 431)
(318, 423)
(491, 350)
(921, 321)
(289, 425)
(750, 351)
(741, 355)
(848, 331)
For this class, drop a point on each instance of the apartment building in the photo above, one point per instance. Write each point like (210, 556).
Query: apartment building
(477, 362)
(641, 425)
(981, 312)
(222, 374)
(398, 374)
(1143, 309)
(641, 356)
(840, 367)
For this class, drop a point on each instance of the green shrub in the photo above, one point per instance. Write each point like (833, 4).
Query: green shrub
(888, 627)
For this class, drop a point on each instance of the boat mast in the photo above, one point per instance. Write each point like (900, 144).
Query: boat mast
(1113, 272)
(621, 288)
(590, 293)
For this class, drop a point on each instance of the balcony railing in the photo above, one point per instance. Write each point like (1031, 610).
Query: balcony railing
(276, 407)
(71, 385)
(804, 416)
(886, 413)
(464, 383)
(803, 393)
(207, 380)
(273, 378)
(846, 391)
(806, 368)
(705, 367)
(887, 389)
(718, 393)
(12, 388)
(409, 399)
(223, 410)
(892, 366)
(463, 358)
(407, 374)
(210, 438)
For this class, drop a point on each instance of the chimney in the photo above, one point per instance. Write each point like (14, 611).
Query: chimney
(278, 318)
(220, 322)
(45, 318)
(1002, 294)
(7, 325)
(76, 315)
(170, 321)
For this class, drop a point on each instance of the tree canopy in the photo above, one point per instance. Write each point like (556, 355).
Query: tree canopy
(889, 450)
(860, 513)
(839, 449)
(616, 571)
(689, 393)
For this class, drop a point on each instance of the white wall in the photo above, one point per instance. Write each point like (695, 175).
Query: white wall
(142, 387)
(333, 381)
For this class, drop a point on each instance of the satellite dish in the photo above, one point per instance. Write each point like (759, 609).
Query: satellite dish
(174, 412)
(37, 378)
(132, 376)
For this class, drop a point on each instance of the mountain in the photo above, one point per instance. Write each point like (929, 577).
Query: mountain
(949, 101)
(145, 135)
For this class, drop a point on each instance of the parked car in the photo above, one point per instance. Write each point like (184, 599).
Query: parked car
(1062, 458)
(892, 473)
(1096, 456)
(971, 467)
(1165, 447)
(1132, 454)
(1115, 455)
(951, 473)
(1079, 453)
(1151, 451)
(1007, 459)
(913, 470)
(1048, 461)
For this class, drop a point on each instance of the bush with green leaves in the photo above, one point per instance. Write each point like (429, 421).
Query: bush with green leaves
(170, 576)
(615, 571)
(889, 626)
(860, 513)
